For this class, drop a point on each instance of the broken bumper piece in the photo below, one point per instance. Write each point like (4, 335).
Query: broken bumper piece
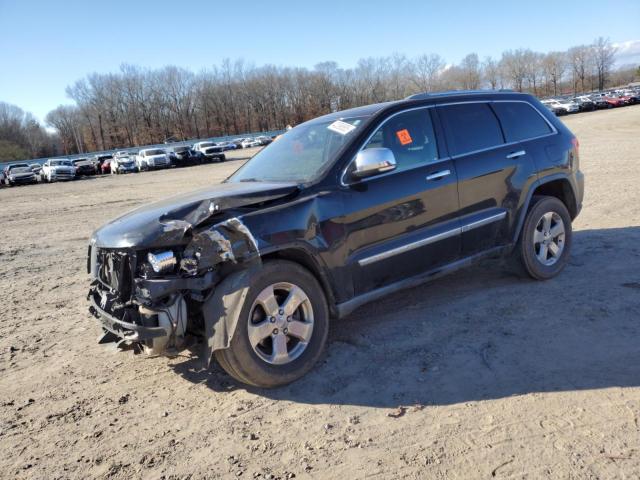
(131, 332)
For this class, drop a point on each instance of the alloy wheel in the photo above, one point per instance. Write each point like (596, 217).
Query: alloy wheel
(549, 238)
(280, 323)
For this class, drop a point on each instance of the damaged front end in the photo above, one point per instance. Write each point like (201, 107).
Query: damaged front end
(155, 297)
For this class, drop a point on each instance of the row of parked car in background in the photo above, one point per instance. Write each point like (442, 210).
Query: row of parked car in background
(593, 101)
(125, 161)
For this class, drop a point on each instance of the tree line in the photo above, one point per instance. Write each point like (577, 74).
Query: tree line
(137, 106)
(22, 136)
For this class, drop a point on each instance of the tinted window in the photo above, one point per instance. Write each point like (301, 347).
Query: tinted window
(520, 121)
(469, 127)
(409, 136)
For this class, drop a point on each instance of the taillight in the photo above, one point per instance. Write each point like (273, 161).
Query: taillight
(575, 163)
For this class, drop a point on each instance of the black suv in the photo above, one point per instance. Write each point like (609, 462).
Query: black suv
(337, 212)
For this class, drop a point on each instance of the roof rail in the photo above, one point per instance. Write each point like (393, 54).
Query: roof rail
(425, 95)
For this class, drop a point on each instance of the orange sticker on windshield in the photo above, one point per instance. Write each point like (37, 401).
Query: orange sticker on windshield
(404, 137)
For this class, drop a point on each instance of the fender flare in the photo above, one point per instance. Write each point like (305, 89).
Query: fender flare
(527, 202)
(221, 310)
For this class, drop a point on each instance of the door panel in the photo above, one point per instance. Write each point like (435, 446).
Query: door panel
(489, 185)
(401, 224)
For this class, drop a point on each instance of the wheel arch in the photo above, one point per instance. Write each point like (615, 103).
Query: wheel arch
(558, 186)
(306, 259)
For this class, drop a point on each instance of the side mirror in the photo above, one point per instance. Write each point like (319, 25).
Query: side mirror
(373, 161)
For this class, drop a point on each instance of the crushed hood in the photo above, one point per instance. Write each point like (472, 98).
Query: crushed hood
(166, 222)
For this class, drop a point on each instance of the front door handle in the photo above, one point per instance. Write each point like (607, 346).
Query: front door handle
(438, 175)
(517, 154)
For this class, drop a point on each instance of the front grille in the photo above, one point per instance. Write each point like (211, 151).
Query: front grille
(24, 179)
(63, 174)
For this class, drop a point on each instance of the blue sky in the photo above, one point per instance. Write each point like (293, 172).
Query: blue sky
(46, 45)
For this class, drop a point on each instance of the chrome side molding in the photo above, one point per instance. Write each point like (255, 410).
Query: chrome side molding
(432, 239)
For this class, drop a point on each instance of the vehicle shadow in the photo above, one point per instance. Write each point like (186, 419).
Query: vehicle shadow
(483, 333)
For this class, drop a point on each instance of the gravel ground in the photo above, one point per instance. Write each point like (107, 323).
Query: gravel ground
(481, 374)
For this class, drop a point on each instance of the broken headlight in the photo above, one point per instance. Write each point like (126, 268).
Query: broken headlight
(162, 262)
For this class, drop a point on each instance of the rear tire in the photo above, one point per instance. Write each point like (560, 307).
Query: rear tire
(545, 242)
(263, 352)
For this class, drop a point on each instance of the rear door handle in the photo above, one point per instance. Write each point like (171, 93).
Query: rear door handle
(438, 175)
(517, 154)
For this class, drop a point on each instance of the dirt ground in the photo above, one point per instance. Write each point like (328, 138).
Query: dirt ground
(481, 374)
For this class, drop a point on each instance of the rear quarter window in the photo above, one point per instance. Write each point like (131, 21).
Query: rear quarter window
(470, 127)
(520, 121)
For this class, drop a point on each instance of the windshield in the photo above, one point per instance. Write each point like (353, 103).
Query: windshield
(22, 165)
(66, 163)
(207, 144)
(149, 153)
(301, 154)
(21, 170)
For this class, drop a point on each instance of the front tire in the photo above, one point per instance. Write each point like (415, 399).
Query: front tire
(282, 328)
(545, 241)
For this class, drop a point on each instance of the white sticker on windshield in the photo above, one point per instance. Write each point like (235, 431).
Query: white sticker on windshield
(341, 127)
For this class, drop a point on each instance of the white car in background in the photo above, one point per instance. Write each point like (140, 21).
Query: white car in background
(56, 169)
(250, 142)
(152, 158)
(568, 105)
(123, 162)
(210, 151)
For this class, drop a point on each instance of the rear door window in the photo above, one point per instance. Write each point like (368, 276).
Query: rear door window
(470, 127)
(520, 121)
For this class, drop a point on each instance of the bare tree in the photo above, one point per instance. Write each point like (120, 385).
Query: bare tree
(533, 69)
(580, 58)
(22, 136)
(425, 72)
(491, 73)
(514, 65)
(554, 66)
(138, 106)
(470, 74)
(603, 57)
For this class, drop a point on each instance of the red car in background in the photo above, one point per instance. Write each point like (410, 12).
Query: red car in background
(106, 166)
(628, 99)
(614, 101)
